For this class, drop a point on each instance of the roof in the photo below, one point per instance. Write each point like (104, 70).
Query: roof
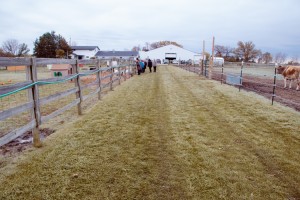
(84, 47)
(116, 53)
(171, 47)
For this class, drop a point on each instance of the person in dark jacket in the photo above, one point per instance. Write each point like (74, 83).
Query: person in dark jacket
(150, 65)
(138, 67)
(145, 66)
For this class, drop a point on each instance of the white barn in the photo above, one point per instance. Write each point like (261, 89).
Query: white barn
(170, 52)
(84, 52)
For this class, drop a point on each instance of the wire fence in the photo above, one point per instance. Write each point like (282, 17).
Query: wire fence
(260, 78)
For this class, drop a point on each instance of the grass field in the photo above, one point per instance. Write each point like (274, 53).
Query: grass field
(20, 98)
(166, 135)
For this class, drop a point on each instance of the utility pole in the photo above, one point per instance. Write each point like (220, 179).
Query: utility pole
(212, 59)
(203, 57)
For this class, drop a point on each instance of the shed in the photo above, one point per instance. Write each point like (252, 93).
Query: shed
(16, 68)
(61, 70)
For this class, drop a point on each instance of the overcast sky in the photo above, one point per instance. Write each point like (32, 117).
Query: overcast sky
(272, 25)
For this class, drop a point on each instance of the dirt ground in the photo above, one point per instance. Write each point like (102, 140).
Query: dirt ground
(23, 142)
(264, 87)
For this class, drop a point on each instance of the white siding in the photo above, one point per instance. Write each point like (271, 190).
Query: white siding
(159, 53)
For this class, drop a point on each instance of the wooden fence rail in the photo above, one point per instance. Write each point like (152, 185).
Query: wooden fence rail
(32, 85)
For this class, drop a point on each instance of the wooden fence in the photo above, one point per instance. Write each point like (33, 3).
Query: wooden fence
(106, 76)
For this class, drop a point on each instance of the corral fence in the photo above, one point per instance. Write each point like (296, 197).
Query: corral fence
(37, 93)
(260, 78)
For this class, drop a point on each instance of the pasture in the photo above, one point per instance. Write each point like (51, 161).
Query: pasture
(165, 135)
(258, 78)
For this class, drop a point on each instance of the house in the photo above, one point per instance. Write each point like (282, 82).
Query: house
(117, 54)
(60, 70)
(170, 53)
(84, 52)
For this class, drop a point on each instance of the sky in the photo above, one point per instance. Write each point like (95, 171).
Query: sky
(272, 25)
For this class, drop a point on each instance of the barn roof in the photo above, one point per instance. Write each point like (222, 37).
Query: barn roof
(117, 53)
(84, 48)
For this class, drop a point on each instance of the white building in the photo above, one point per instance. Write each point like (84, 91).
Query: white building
(170, 53)
(84, 52)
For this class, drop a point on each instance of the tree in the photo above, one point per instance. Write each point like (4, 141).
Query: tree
(60, 53)
(207, 55)
(225, 52)
(159, 44)
(266, 58)
(219, 50)
(12, 47)
(23, 50)
(294, 60)
(47, 45)
(280, 58)
(246, 51)
(147, 47)
(136, 48)
(5, 54)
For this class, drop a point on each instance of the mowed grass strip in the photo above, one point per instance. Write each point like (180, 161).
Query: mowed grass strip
(167, 135)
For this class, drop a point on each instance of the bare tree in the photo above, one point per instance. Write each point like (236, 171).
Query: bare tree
(219, 50)
(5, 54)
(147, 47)
(266, 57)
(247, 51)
(13, 47)
(23, 50)
(280, 57)
(159, 44)
(10, 46)
(136, 48)
(294, 60)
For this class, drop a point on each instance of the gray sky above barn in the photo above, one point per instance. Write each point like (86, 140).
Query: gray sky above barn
(273, 25)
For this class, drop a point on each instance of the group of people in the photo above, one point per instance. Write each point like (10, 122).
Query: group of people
(141, 65)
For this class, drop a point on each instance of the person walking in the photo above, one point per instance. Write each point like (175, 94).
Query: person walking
(138, 67)
(142, 65)
(145, 65)
(150, 65)
(154, 65)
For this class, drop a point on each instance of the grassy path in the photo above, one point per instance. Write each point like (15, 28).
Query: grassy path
(166, 135)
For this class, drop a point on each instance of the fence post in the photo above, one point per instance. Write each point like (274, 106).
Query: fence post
(111, 75)
(241, 76)
(205, 68)
(274, 86)
(36, 108)
(99, 78)
(222, 74)
(119, 72)
(211, 66)
(77, 84)
(202, 66)
(125, 73)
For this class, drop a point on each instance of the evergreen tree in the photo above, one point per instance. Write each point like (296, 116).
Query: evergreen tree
(48, 44)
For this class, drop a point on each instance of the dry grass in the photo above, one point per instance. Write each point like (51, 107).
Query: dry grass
(169, 135)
